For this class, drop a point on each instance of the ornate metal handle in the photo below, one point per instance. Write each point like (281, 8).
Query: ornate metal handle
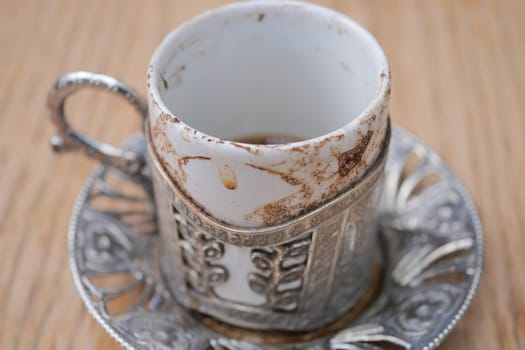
(68, 139)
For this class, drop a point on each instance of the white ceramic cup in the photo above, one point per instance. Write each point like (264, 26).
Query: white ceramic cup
(273, 67)
(262, 236)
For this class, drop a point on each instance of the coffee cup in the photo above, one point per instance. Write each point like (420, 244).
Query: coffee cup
(267, 127)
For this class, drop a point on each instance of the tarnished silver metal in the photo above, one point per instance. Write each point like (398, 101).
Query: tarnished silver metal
(302, 274)
(433, 254)
(297, 275)
(68, 139)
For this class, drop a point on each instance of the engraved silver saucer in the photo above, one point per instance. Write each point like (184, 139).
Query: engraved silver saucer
(432, 244)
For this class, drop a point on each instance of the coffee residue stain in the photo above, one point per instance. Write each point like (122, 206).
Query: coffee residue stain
(158, 132)
(308, 169)
(163, 144)
(321, 173)
(275, 213)
(301, 149)
(267, 139)
(228, 177)
(184, 134)
(174, 78)
(282, 210)
(181, 47)
(186, 159)
(349, 159)
(253, 150)
(286, 177)
(166, 118)
(285, 208)
(368, 121)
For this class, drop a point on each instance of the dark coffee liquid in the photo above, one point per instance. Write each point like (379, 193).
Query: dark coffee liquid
(271, 139)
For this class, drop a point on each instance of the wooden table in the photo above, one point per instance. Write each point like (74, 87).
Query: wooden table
(459, 84)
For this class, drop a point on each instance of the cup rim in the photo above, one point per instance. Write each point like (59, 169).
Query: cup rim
(375, 106)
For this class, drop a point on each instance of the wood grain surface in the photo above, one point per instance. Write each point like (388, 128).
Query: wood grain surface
(458, 71)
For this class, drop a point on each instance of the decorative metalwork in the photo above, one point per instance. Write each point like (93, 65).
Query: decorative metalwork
(433, 261)
(199, 253)
(68, 139)
(280, 272)
(295, 292)
(367, 333)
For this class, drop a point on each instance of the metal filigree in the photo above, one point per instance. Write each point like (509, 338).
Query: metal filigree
(279, 275)
(199, 253)
(288, 290)
(68, 139)
(429, 229)
(310, 293)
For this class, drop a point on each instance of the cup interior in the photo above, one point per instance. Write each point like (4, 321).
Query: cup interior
(272, 68)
